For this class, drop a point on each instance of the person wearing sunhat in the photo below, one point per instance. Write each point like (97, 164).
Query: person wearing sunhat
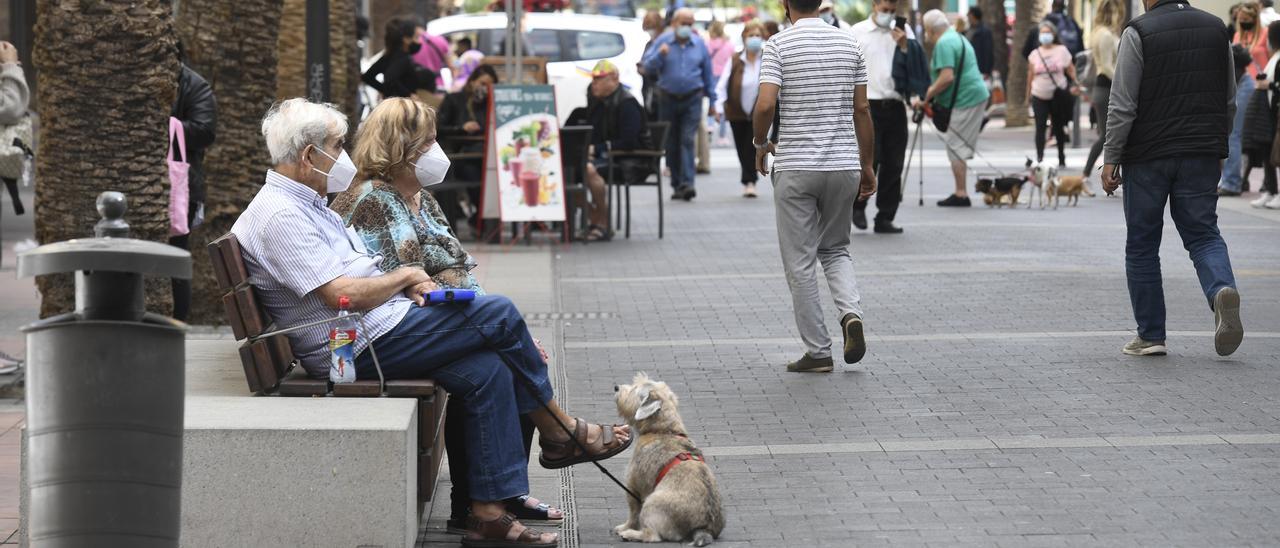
(618, 123)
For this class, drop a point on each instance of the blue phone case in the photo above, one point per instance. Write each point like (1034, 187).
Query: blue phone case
(442, 296)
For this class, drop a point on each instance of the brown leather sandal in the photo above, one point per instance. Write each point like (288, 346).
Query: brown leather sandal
(569, 452)
(505, 532)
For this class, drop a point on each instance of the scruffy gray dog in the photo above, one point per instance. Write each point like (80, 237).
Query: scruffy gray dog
(681, 500)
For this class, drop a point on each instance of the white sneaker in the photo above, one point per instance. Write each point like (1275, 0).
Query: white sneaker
(1262, 200)
(1274, 203)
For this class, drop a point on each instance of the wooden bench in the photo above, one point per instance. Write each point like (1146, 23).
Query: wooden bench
(270, 367)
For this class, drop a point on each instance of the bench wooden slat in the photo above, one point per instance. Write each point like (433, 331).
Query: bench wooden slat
(298, 384)
(219, 264)
(431, 418)
(254, 318)
(233, 260)
(250, 369)
(259, 353)
(234, 317)
(411, 388)
(358, 389)
(281, 354)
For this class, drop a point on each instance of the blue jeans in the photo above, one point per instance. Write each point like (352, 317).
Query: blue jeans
(1232, 171)
(1190, 187)
(438, 343)
(682, 137)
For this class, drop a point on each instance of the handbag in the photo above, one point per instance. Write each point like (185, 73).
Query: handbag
(15, 147)
(179, 181)
(1259, 122)
(941, 114)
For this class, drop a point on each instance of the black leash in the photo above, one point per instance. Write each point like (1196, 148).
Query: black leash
(528, 384)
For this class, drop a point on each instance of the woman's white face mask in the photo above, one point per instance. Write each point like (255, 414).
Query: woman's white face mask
(432, 166)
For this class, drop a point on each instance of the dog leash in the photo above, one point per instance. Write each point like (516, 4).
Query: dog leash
(528, 384)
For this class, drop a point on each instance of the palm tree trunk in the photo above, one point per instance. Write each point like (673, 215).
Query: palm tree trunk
(1026, 16)
(232, 44)
(994, 15)
(108, 75)
(345, 56)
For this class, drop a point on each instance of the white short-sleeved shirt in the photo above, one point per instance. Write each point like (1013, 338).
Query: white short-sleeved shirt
(292, 244)
(817, 66)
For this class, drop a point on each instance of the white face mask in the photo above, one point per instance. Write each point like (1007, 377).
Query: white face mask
(339, 177)
(884, 19)
(432, 166)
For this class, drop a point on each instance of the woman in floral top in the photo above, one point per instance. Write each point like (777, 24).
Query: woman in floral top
(399, 220)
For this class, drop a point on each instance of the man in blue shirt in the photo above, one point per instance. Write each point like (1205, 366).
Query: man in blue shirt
(680, 60)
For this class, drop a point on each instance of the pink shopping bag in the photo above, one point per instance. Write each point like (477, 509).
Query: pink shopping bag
(179, 187)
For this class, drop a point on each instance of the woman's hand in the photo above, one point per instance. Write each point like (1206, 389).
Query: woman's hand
(471, 127)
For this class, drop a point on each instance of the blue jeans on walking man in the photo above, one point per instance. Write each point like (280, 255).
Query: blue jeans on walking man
(1189, 185)
(684, 116)
(1233, 169)
(441, 344)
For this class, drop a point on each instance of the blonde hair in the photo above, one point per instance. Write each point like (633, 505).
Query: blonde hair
(716, 29)
(1254, 9)
(1110, 16)
(755, 25)
(392, 137)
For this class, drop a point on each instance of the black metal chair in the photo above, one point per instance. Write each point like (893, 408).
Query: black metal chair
(574, 144)
(653, 159)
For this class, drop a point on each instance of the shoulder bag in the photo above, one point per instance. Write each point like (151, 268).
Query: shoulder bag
(941, 114)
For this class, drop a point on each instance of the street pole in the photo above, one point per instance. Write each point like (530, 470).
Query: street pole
(318, 67)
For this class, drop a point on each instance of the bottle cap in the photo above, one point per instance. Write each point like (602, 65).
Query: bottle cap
(344, 302)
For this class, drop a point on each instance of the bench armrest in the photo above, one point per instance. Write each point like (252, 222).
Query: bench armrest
(647, 154)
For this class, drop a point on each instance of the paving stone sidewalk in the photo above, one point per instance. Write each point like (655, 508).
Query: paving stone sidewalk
(994, 406)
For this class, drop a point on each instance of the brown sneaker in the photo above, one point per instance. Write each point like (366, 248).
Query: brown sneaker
(807, 364)
(855, 344)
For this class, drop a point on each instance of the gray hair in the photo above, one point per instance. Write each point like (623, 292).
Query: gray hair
(935, 19)
(1052, 27)
(291, 125)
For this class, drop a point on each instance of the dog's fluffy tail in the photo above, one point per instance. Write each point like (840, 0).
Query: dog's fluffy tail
(701, 537)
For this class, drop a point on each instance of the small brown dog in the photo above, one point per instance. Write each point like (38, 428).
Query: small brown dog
(667, 471)
(1070, 186)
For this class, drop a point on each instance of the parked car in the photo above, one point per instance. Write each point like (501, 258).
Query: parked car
(572, 44)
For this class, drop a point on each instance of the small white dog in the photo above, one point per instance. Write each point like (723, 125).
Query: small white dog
(667, 471)
(1044, 178)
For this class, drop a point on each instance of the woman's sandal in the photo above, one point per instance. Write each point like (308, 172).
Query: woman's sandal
(597, 233)
(568, 453)
(530, 509)
(505, 532)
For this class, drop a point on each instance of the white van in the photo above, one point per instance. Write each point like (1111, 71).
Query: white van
(572, 44)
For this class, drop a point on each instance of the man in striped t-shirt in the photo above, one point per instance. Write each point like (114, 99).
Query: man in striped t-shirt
(822, 164)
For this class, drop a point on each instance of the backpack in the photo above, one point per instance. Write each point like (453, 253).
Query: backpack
(15, 148)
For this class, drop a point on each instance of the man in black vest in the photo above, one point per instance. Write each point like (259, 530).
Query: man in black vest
(1172, 105)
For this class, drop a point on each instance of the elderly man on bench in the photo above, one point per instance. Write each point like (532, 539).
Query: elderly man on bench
(301, 260)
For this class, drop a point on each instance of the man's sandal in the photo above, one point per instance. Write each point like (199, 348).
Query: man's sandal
(567, 453)
(505, 532)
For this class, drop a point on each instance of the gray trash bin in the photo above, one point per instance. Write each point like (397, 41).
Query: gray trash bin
(105, 400)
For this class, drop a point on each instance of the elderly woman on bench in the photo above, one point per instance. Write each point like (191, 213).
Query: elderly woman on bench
(301, 260)
(404, 225)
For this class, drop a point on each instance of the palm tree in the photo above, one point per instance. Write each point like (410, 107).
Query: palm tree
(344, 55)
(107, 74)
(232, 44)
(1026, 14)
(994, 15)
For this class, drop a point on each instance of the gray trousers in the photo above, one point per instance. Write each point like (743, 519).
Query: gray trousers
(815, 216)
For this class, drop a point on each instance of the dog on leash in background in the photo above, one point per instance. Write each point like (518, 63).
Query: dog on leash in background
(680, 498)
(1070, 186)
(1044, 181)
(995, 190)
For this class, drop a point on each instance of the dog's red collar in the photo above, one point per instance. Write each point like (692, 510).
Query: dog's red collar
(682, 457)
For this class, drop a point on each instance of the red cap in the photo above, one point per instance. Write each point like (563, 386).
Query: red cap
(344, 302)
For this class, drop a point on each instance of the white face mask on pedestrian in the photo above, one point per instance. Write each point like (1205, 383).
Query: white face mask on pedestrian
(1046, 38)
(432, 166)
(884, 20)
(339, 177)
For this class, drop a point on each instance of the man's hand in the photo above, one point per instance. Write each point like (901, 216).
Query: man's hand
(719, 116)
(663, 50)
(8, 53)
(471, 127)
(867, 186)
(899, 37)
(762, 158)
(712, 112)
(415, 291)
(917, 103)
(1109, 181)
(543, 351)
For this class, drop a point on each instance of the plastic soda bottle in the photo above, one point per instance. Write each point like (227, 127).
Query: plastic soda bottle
(342, 345)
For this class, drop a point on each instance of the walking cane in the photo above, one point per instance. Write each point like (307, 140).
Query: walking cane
(918, 117)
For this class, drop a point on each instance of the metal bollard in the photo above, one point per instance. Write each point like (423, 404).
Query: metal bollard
(105, 388)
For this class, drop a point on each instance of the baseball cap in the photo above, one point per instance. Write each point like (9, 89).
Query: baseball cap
(603, 68)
